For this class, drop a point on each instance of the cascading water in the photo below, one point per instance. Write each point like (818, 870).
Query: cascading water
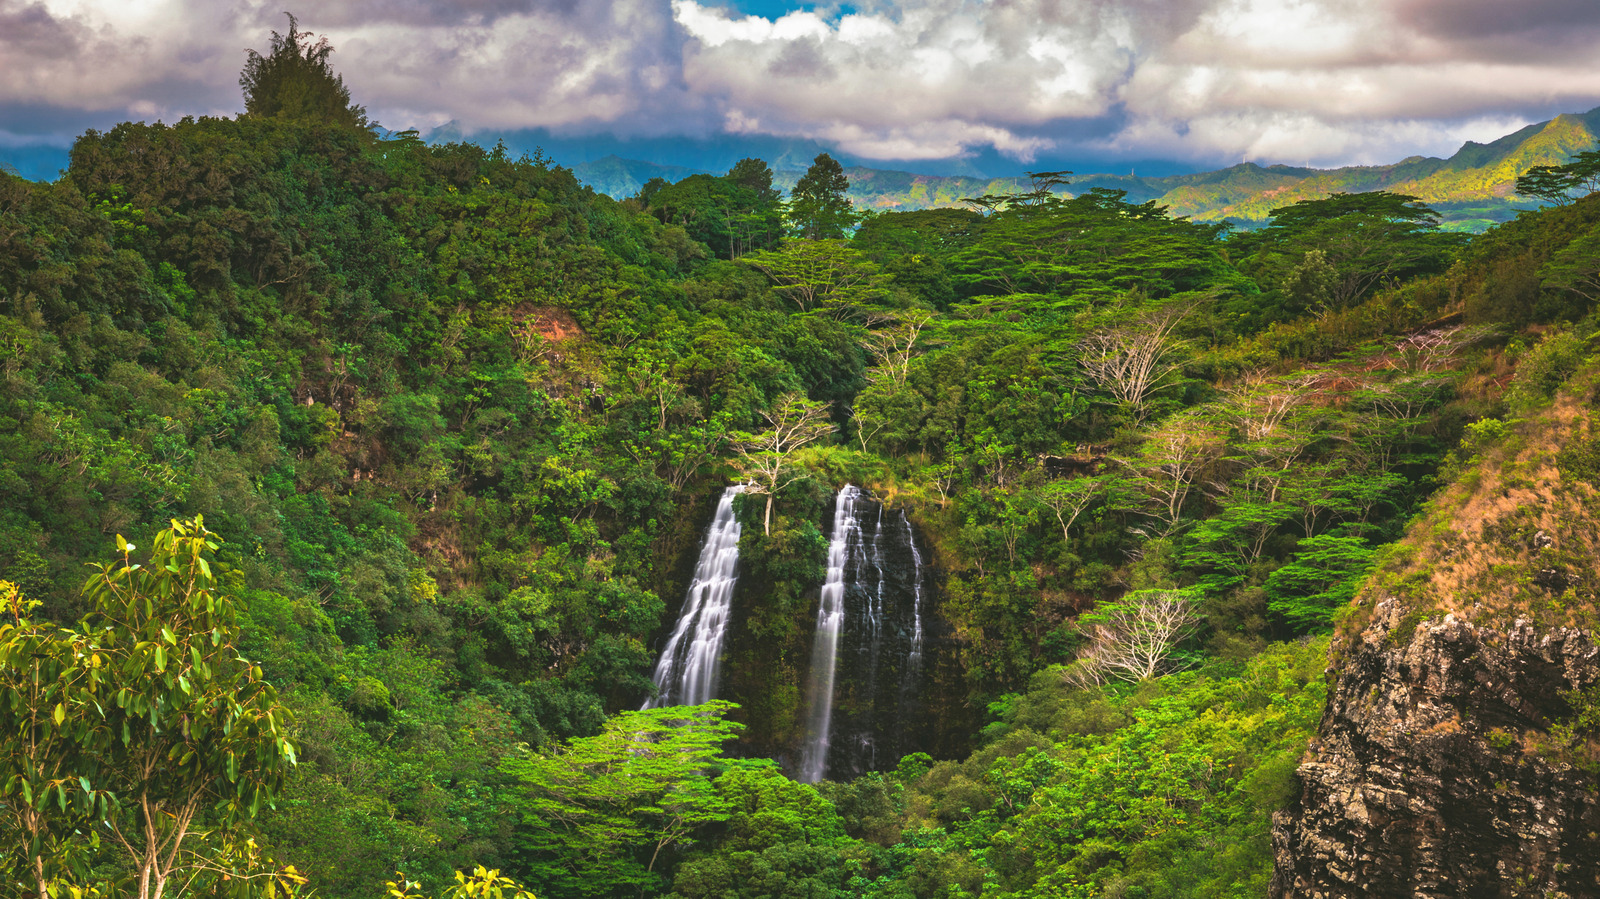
(867, 657)
(915, 659)
(825, 646)
(687, 671)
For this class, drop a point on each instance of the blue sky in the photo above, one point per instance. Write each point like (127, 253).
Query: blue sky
(1200, 83)
(772, 9)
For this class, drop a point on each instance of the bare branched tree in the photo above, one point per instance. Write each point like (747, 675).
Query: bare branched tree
(895, 346)
(865, 427)
(1259, 405)
(1134, 639)
(1170, 463)
(1131, 360)
(1068, 498)
(764, 458)
(1270, 416)
(1431, 350)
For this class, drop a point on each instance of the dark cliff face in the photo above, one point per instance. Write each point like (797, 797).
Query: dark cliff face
(1441, 767)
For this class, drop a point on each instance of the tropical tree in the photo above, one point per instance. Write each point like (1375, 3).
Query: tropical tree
(756, 220)
(1323, 576)
(765, 458)
(818, 207)
(49, 735)
(145, 718)
(1339, 249)
(1563, 184)
(295, 81)
(820, 274)
(1068, 498)
(601, 811)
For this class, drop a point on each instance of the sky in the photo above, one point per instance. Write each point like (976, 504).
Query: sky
(1202, 83)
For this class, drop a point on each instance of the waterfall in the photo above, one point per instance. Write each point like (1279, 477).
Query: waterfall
(825, 647)
(687, 671)
(915, 659)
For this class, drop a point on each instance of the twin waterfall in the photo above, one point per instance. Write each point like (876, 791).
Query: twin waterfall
(687, 671)
(862, 694)
(866, 658)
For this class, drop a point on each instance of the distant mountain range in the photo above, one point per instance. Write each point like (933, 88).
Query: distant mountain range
(1472, 189)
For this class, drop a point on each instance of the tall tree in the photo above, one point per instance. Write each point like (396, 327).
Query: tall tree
(756, 219)
(295, 81)
(818, 207)
(821, 274)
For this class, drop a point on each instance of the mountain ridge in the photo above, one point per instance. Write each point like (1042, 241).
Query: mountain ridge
(1472, 189)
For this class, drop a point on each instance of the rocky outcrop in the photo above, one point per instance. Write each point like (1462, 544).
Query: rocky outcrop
(1441, 767)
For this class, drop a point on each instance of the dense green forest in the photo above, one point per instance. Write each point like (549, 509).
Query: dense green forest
(428, 435)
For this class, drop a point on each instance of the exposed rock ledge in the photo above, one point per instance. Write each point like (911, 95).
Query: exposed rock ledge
(1434, 773)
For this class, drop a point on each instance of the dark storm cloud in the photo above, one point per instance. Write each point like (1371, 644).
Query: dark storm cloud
(1516, 32)
(30, 28)
(1497, 18)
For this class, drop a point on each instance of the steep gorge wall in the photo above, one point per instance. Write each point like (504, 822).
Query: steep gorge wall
(1428, 777)
(1458, 753)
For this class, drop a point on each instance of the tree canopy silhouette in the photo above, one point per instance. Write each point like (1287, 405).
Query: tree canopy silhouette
(295, 81)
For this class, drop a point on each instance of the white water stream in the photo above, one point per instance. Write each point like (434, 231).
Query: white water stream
(687, 671)
(825, 648)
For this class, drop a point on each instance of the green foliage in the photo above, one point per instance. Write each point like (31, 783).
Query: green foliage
(1128, 792)
(156, 738)
(1546, 367)
(462, 414)
(482, 883)
(782, 841)
(294, 80)
(603, 812)
(818, 207)
(1320, 579)
(732, 214)
(1334, 252)
(1561, 184)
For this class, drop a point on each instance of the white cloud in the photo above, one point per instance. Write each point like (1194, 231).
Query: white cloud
(949, 73)
(1328, 81)
(1331, 81)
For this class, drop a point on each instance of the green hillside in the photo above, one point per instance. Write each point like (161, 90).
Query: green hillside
(349, 487)
(1472, 190)
(617, 177)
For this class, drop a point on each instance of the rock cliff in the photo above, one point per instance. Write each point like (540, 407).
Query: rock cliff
(1457, 755)
(1433, 773)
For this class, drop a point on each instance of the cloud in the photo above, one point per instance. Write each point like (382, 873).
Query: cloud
(945, 74)
(125, 59)
(547, 64)
(1324, 81)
